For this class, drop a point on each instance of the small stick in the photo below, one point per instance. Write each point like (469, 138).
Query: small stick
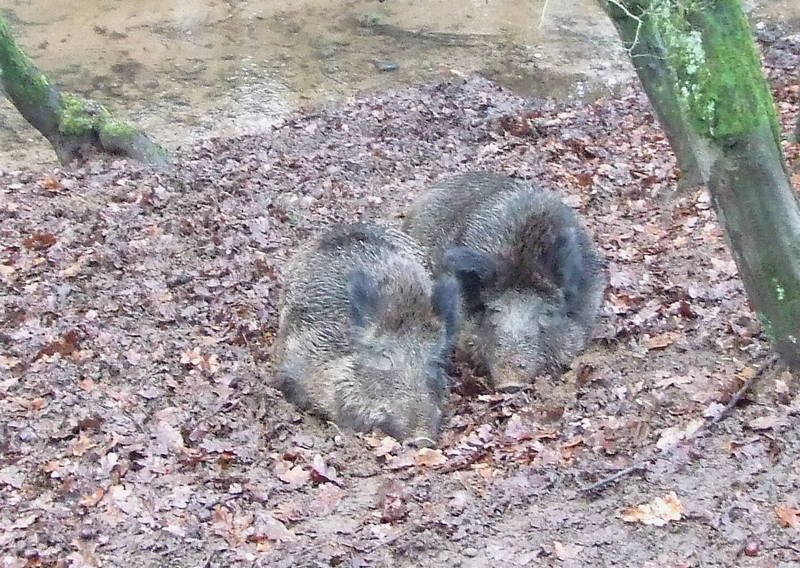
(640, 463)
(612, 478)
(740, 393)
(464, 463)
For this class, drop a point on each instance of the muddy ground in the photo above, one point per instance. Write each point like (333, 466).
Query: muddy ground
(137, 309)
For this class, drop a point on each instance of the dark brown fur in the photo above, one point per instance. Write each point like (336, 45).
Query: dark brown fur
(364, 332)
(530, 275)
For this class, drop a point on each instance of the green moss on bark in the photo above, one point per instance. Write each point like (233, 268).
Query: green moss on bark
(70, 123)
(21, 79)
(74, 120)
(118, 129)
(716, 65)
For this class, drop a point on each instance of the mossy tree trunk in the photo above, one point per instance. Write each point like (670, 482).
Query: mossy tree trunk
(709, 77)
(648, 53)
(72, 125)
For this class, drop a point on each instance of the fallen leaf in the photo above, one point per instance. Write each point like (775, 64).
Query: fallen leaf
(25, 522)
(8, 363)
(692, 427)
(386, 447)
(559, 550)
(325, 500)
(39, 241)
(288, 512)
(295, 477)
(232, 527)
(72, 270)
(405, 460)
(51, 183)
(658, 513)
(82, 445)
(427, 457)
(323, 472)
(788, 516)
(517, 430)
(270, 528)
(391, 500)
(669, 439)
(6, 271)
(167, 437)
(763, 423)
(92, 498)
(661, 341)
(50, 466)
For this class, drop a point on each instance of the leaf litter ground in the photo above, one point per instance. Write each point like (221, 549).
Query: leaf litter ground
(140, 428)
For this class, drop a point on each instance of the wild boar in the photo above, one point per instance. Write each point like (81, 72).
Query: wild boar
(530, 276)
(364, 333)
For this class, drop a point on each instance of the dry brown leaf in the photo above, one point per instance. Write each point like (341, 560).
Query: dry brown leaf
(325, 500)
(25, 522)
(192, 357)
(323, 472)
(391, 500)
(233, 528)
(50, 466)
(763, 422)
(295, 477)
(386, 446)
(39, 241)
(83, 444)
(404, 460)
(288, 512)
(658, 513)
(51, 183)
(269, 528)
(168, 437)
(661, 341)
(72, 270)
(6, 271)
(559, 550)
(92, 498)
(788, 516)
(517, 430)
(427, 457)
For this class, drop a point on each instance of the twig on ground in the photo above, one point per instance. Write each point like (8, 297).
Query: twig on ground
(612, 478)
(640, 463)
(748, 384)
(465, 462)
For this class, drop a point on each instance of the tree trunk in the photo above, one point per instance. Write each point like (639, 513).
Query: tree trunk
(758, 208)
(72, 125)
(649, 56)
(726, 116)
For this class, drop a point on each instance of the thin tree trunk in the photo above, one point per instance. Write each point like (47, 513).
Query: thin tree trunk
(72, 125)
(651, 61)
(726, 116)
(758, 209)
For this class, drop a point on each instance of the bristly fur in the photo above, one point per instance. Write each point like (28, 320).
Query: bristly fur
(531, 278)
(364, 332)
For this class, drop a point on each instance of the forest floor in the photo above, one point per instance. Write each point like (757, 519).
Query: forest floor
(137, 310)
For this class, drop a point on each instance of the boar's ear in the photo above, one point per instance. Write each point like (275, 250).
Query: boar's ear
(475, 271)
(564, 261)
(445, 301)
(362, 291)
